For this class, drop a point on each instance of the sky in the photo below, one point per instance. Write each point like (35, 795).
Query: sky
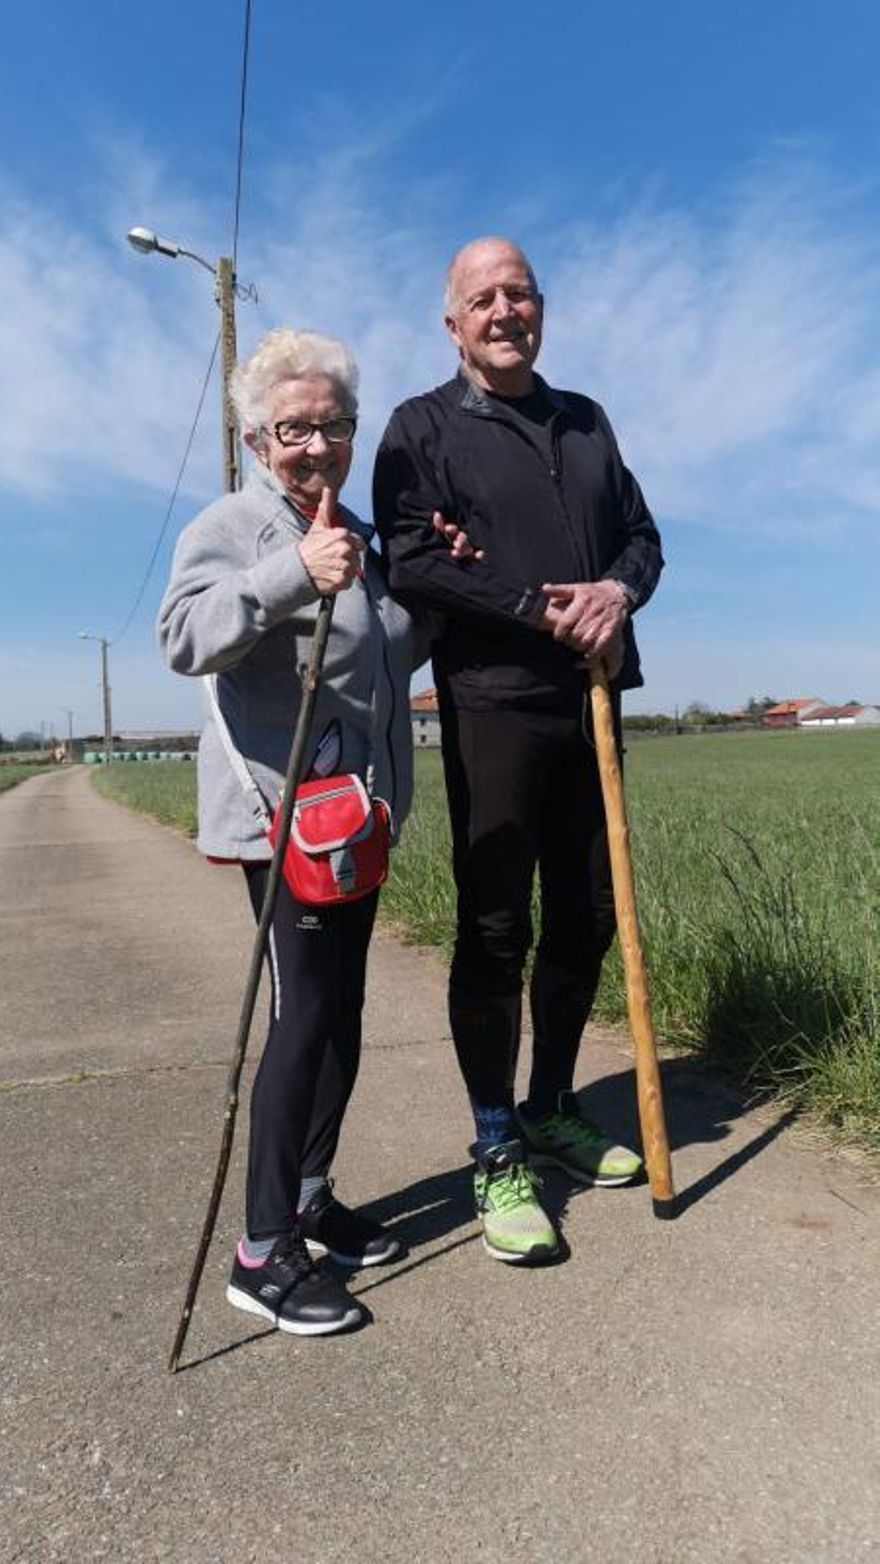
(697, 187)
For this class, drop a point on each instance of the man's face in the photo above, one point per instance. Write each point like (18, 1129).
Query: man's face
(495, 317)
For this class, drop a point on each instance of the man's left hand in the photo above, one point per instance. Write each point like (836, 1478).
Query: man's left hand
(460, 544)
(588, 616)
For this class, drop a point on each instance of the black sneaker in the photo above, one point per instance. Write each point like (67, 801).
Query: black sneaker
(328, 1227)
(291, 1292)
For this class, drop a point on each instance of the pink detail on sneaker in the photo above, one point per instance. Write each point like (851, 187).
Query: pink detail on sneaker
(245, 1260)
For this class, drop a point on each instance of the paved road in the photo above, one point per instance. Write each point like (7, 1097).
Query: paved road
(703, 1390)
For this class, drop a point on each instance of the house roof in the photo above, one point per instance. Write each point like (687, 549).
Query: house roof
(792, 707)
(826, 713)
(425, 702)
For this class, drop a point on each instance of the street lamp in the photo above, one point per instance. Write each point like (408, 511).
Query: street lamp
(146, 242)
(69, 710)
(86, 635)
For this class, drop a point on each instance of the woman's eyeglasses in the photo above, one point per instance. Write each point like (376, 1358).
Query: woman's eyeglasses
(299, 431)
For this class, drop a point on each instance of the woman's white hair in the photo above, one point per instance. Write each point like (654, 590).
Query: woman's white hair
(284, 354)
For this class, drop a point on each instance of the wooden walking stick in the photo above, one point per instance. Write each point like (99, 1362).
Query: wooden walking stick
(311, 678)
(650, 1094)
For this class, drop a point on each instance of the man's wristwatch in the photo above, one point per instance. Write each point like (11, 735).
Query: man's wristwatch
(627, 597)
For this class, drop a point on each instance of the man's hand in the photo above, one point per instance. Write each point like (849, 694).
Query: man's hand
(588, 616)
(331, 555)
(613, 654)
(460, 544)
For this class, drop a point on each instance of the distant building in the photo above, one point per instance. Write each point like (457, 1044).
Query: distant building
(425, 720)
(788, 714)
(853, 715)
(157, 738)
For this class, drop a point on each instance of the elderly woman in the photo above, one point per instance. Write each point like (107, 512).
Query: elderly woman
(241, 604)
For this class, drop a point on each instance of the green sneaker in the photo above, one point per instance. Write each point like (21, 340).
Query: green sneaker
(515, 1225)
(566, 1140)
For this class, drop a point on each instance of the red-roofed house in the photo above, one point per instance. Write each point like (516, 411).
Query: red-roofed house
(787, 714)
(425, 719)
(852, 715)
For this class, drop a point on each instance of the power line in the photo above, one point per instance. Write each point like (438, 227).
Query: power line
(172, 501)
(248, 293)
(241, 119)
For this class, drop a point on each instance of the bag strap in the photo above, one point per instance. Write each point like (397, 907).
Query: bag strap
(235, 758)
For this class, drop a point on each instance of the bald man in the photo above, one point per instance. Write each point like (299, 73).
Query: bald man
(569, 552)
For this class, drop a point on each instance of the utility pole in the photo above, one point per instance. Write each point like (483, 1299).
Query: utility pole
(144, 240)
(105, 691)
(85, 635)
(231, 443)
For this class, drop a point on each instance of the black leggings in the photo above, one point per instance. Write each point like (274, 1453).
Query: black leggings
(524, 793)
(317, 960)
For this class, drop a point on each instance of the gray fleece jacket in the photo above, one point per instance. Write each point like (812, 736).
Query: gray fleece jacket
(240, 604)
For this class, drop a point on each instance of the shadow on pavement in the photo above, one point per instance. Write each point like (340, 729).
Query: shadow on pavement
(700, 1110)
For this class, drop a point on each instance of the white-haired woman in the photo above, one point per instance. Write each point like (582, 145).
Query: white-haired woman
(241, 604)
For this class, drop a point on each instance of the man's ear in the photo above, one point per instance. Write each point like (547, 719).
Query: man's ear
(451, 325)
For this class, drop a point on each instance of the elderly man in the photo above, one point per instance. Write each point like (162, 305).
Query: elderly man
(569, 552)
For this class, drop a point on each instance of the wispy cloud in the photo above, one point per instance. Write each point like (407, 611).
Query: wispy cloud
(84, 384)
(736, 348)
(738, 352)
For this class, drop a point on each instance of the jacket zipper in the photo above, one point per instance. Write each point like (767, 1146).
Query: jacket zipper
(587, 564)
(386, 669)
(389, 730)
(555, 469)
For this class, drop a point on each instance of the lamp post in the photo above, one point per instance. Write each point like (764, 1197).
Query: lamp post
(145, 241)
(69, 710)
(86, 635)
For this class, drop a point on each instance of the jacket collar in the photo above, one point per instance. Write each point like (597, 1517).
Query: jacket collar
(473, 399)
(272, 502)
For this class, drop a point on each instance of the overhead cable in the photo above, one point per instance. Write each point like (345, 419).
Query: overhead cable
(174, 492)
(245, 53)
(249, 292)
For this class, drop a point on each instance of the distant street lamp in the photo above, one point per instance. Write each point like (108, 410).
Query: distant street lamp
(144, 240)
(86, 635)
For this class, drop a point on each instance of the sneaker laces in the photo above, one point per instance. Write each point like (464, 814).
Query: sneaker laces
(571, 1124)
(292, 1256)
(513, 1185)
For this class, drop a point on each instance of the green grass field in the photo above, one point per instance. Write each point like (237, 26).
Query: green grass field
(757, 861)
(15, 772)
(165, 789)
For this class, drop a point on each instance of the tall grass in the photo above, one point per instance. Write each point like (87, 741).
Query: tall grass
(164, 789)
(757, 860)
(15, 772)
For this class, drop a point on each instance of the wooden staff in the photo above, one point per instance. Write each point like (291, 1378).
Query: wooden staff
(650, 1093)
(311, 677)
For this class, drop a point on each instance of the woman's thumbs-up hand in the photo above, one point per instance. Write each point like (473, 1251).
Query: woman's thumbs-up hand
(331, 554)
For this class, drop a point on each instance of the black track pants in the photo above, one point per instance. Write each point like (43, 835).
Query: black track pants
(317, 960)
(524, 793)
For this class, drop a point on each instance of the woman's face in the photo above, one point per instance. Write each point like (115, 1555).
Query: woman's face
(305, 470)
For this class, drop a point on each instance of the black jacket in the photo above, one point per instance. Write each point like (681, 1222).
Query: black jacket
(552, 504)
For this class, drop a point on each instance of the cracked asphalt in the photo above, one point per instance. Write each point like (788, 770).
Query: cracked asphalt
(699, 1390)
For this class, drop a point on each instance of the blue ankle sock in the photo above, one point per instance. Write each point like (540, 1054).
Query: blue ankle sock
(493, 1125)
